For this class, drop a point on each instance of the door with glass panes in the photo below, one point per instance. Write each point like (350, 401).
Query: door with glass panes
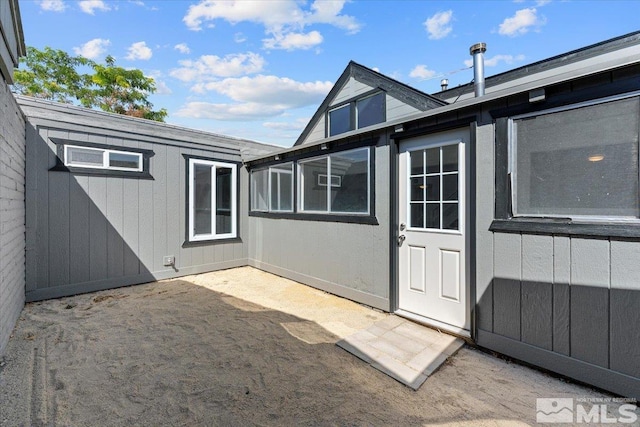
(432, 232)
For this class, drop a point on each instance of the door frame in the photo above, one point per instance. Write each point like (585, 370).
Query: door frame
(469, 125)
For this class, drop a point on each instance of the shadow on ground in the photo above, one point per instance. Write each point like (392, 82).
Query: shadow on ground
(174, 353)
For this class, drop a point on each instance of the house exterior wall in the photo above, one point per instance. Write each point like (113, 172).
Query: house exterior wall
(570, 304)
(346, 259)
(11, 39)
(12, 213)
(88, 232)
(12, 171)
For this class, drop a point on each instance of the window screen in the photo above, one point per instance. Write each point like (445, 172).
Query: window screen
(578, 162)
(347, 189)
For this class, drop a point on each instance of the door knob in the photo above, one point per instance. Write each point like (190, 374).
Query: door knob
(401, 239)
(403, 226)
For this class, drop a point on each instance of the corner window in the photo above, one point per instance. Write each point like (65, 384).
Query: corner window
(360, 113)
(335, 183)
(100, 158)
(580, 162)
(272, 189)
(212, 200)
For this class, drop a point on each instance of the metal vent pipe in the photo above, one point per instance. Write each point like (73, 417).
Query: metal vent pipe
(477, 51)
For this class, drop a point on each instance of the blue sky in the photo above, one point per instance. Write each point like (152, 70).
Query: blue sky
(259, 69)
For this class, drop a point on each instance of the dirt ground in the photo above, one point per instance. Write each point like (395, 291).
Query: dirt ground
(235, 348)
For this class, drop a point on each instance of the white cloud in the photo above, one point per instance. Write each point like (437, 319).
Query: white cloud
(293, 41)
(208, 67)
(239, 38)
(495, 60)
(53, 5)
(422, 72)
(265, 89)
(162, 88)
(90, 6)
(93, 48)
(182, 48)
(298, 124)
(229, 112)
(256, 98)
(139, 50)
(279, 17)
(439, 25)
(520, 23)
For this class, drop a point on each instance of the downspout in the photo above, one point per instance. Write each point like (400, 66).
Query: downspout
(477, 51)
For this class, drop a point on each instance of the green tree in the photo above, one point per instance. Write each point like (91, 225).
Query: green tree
(53, 74)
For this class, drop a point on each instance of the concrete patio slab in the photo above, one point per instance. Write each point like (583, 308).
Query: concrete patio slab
(402, 349)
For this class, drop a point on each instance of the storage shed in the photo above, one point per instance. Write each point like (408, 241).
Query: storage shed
(508, 212)
(114, 201)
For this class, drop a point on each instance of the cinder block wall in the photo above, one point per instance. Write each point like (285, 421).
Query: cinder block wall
(12, 213)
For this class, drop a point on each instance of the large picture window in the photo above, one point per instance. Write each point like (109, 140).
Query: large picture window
(272, 189)
(335, 183)
(212, 200)
(579, 162)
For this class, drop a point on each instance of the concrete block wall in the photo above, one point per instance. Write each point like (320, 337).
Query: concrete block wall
(12, 213)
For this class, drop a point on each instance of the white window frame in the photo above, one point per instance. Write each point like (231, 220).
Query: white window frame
(234, 206)
(280, 172)
(512, 160)
(329, 211)
(105, 159)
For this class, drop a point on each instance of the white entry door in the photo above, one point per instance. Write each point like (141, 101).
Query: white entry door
(432, 276)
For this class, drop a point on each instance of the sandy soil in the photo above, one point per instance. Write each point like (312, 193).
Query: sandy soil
(238, 347)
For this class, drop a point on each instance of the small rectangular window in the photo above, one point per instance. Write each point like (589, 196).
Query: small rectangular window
(212, 200)
(340, 120)
(272, 189)
(578, 163)
(348, 192)
(370, 110)
(101, 158)
(281, 177)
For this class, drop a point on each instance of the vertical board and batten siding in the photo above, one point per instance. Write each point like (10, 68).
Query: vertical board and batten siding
(568, 304)
(346, 259)
(89, 232)
(12, 213)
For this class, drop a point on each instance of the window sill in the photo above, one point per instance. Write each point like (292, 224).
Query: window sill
(195, 243)
(101, 172)
(353, 219)
(567, 227)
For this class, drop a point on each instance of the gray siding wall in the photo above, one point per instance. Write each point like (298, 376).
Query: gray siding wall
(12, 213)
(350, 260)
(571, 305)
(11, 43)
(87, 233)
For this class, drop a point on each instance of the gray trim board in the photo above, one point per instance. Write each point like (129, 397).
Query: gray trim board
(615, 382)
(324, 285)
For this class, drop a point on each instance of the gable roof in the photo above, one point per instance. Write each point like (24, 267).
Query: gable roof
(405, 93)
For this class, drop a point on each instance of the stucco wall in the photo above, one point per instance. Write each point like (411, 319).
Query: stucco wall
(12, 213)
